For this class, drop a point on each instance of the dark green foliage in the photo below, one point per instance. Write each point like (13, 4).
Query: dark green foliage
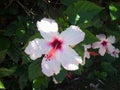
(18, 26)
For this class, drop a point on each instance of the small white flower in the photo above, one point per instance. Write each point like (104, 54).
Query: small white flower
(105, 44)
(56, 47)
(115, 53)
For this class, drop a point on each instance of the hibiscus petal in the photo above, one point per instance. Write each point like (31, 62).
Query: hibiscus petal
(87, 46)
(87, 54)
(36, 48)
(117, 51)
(72, 35)
(111, 39)
(50, 67)
(69, 58)
(48, 28)
(96, 45)
(102, 51)
(110, 48)
(101, 36)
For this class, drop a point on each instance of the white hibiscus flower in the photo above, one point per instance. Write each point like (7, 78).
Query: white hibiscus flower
(56, 47)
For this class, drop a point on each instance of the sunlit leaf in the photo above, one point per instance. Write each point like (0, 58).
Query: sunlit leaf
(114, 10)
(38, 82)
(2, 85)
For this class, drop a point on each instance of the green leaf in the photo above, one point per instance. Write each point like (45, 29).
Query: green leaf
(89, 63)
(80, 70)
(100, 74)
(25, 59)
(82, 11)
(38, 82)
(91, 76)
(36, 35)
(60, 77)
(89, 37)
(114, 10)
(108, 58)
(79, 49)
(12, 28)
(62, 23)
(108, 67)
(15, 52)
(113, 29)
(2, 55)
(34, 69)
(68, 2)
(23, 81)
(4, 43)
(2, 85)
(86, 24)
(22, 75)
(7, 72)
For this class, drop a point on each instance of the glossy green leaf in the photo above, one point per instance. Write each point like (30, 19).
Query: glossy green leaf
(84, 9)
(40, 82)
(61, 76)
(89, 38)
(79, 49)
(34, 69)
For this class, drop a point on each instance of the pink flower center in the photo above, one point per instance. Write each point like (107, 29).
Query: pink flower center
(114, 53)
(104, 43)
(50, 54)
(56, 44)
